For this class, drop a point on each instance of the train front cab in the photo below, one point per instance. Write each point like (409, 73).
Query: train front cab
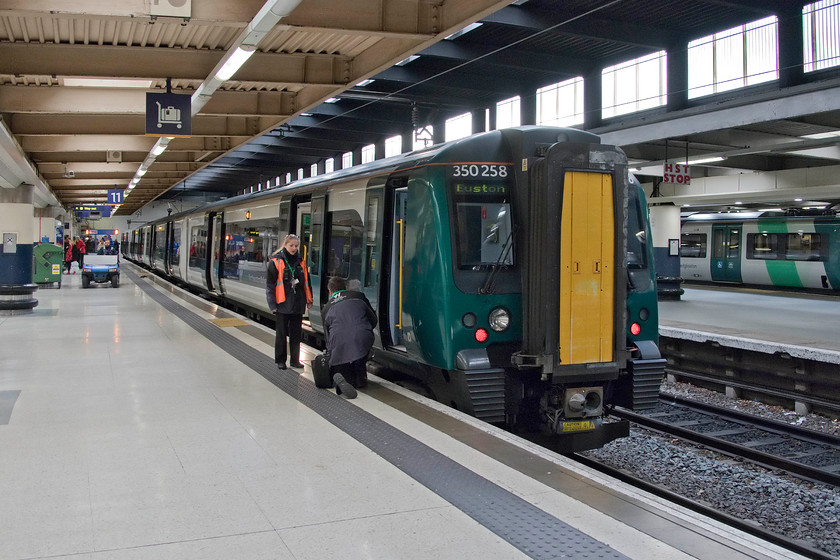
(578, 357)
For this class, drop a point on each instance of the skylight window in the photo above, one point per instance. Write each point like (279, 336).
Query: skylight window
(735, 58)
(635, 85)
(821, 31)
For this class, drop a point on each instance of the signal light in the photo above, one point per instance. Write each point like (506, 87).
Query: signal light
(480, 335)
(635, 329)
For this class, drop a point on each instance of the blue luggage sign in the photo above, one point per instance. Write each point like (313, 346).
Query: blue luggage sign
(168, 114)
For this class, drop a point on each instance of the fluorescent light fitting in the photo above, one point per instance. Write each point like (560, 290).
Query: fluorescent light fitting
(159, 149)
(823, 135)
(141, 172)
(234, 62)
(797, 200)
(405, 61)
(306, 114)
(331, 100)
(107, 83)
(364, 83)
(705, 160)
(464, 31)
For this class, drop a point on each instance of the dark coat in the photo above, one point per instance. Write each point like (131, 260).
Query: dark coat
(349, 321)
(295, 303)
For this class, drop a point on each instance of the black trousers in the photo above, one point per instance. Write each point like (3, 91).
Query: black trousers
(354, 372)
(288, 325)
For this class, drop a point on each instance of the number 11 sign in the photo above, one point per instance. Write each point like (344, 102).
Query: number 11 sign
(115, 196)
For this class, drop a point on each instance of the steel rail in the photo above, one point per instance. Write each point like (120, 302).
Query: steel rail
(758, 457)
(743, 525)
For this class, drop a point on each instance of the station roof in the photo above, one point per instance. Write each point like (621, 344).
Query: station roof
(272, 118)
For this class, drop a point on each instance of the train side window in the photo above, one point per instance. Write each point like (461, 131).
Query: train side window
(763, 246)
(246, 245)
(803, 247)
(316, 232)
(636, 238)
(344, 257)
(175, 253)
(371, 228)
(693, 245)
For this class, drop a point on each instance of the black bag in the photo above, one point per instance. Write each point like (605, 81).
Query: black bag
(321, 371)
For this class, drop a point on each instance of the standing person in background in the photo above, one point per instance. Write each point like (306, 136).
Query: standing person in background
(349, 321)
(68, 255)
(79, 252)
(289, 294)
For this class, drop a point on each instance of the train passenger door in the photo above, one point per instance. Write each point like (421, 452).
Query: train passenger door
(726, 253)
(215, 252)
(397, 256)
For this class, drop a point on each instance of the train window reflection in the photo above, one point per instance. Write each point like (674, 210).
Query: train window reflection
(803, 247)
(484, 234)
(763, 246)
(636, 238)
(693, 245)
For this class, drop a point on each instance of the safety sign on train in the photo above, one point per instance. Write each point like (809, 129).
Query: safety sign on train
(168, 114)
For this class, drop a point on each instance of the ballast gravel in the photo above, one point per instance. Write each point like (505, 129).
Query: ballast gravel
(802, 510)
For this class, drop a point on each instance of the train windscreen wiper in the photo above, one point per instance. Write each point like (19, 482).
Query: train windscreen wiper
(489, 287)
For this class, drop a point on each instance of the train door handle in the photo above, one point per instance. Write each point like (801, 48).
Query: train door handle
(597, 267)
(576, 267)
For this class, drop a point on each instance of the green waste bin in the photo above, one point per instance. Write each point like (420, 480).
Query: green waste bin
(49, 259)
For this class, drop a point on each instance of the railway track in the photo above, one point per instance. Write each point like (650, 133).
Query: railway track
(774, 445)
(747, 526)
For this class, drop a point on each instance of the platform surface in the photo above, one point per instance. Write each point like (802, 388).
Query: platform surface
(808, 320)
(126, 433)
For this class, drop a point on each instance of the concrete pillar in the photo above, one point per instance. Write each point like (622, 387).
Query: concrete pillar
(479, 122)
(528, 107)
(17, 212)
(665, 229)
(592, 88)
(677, 77)
(47, 228)
(791, 48)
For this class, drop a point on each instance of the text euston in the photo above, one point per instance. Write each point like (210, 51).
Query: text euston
(461, 188)
(480, 170)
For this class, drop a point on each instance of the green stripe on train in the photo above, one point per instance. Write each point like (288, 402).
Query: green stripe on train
(782, 273)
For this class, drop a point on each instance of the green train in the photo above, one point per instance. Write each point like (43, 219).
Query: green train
(510, 272)
(762, 249)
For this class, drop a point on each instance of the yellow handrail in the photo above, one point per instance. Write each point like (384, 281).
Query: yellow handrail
(400, 301)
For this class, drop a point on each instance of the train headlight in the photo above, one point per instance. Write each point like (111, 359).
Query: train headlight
(480, 335)
(469, 320)
(499, 319)
(635, 329)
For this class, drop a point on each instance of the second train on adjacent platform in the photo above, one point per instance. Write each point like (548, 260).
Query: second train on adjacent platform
(509, 270)
(762, 249)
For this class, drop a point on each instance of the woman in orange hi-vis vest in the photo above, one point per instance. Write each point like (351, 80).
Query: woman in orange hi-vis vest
(289, 294)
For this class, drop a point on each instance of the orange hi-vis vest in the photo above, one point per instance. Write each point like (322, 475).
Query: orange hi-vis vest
(280, 288)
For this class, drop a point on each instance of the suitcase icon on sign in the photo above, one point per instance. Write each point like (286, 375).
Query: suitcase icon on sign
(168, 115)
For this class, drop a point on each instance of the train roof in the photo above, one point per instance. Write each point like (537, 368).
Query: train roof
(763, 215)
(383, 166)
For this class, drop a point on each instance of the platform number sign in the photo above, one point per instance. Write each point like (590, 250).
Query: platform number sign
(115, 196)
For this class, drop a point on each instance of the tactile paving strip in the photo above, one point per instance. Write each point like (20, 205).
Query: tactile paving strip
(531, 530)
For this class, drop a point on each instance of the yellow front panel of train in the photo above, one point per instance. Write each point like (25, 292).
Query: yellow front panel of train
(587, 256)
